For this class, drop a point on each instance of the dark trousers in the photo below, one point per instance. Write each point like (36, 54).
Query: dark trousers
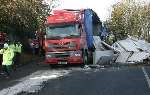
(17, 59)
(14, 65)
(1, 57)
(6, 69)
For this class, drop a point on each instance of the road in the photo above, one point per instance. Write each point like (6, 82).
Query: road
(42, 80)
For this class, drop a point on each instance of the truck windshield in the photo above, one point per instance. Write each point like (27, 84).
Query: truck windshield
(62, 31)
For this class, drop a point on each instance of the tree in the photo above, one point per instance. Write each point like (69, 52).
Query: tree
(130, 18)
(20, 16)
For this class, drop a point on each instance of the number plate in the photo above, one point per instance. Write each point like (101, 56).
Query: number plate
(62, 62)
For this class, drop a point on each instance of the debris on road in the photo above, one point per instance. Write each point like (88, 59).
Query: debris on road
(104, 53)
(128, 51)
(132, 50)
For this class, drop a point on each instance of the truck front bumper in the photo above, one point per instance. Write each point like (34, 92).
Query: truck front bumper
(70, 60)
(69, 57)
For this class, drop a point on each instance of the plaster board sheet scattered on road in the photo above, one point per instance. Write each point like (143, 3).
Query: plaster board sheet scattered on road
(128, 45)
(148, 46)
(97, 43)
(33, 83)
(138, 56)
(99, 54)
(141, 44)
(117, 47)
(123, 57)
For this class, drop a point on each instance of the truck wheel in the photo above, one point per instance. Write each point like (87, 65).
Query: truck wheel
(51, 66)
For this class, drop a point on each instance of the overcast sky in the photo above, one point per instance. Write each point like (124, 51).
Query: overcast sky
(101, 7)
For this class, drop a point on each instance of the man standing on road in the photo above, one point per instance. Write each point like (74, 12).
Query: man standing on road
(8, 55)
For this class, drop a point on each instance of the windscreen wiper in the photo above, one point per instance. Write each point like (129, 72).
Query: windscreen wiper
(55, 37)
(72, 36)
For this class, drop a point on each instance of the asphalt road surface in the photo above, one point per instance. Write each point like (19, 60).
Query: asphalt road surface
(41, 80)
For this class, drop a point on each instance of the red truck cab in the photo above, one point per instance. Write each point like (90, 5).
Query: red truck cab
(64, 38)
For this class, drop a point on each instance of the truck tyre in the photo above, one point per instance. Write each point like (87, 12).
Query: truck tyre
(51, 66)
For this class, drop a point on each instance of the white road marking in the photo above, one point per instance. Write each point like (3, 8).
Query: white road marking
(146, 76)
(33, 82)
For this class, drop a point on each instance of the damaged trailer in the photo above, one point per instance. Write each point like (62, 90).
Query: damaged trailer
(104, 54)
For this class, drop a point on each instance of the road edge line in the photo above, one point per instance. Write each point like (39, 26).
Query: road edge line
(146, 76)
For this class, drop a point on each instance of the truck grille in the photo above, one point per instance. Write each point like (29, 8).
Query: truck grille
(58, 55)
(61, 55)
(62, 46)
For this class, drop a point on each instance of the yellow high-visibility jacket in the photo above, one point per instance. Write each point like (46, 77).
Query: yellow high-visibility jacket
(8, 55)
(19, 48)
(13, 47)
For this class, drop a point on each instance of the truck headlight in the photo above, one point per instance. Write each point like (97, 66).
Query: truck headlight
(50, 45)
(75, 53)
(48, 55)
(72, 44)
